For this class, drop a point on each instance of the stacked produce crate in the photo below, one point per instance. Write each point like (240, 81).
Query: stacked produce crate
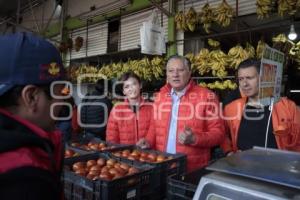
(164, 164)
(95, 169)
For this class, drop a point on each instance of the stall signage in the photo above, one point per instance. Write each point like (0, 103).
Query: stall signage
(270, 75)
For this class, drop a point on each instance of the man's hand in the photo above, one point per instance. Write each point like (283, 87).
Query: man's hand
(187, 136)
(143, 143)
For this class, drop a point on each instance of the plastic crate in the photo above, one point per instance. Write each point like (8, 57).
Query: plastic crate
(86, 140)
(183, 187)
(162, 170)
(128, 187)
(79, 152)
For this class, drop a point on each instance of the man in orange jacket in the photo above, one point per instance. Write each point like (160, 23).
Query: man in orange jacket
(251, 124)
(186, 117)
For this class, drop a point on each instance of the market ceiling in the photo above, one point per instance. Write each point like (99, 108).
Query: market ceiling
(9, 8)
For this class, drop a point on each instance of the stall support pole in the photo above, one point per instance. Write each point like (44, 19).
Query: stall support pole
(171, 30)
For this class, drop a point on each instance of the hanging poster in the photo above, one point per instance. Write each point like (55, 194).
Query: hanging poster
(270, 75)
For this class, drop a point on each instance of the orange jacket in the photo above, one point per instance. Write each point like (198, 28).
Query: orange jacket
(126, 127)
(285, 120)
(199, 110)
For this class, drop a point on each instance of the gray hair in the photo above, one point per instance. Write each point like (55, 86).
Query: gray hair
(186, 62)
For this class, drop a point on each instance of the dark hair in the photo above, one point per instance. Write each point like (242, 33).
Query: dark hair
(184, 60)
(10, 98)
(128, 75)
(250, 63)
(65, 111)
(100, 85)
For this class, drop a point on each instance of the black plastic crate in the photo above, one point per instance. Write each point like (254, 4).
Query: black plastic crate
(183, 187)
(127, 187)
(164, 169)
(77, 151)
(89, 139)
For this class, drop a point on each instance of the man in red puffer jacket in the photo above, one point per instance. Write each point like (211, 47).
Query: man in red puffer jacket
(186, 117)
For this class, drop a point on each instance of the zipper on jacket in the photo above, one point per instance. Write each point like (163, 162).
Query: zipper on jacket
(136, 125)
(168, 129)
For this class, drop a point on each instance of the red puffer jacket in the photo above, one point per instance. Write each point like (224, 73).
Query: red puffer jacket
(31, 160)
(126, 127)
(199, 110)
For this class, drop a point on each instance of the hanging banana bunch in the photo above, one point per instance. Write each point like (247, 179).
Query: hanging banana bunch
(146, 69)
(191, 19)
(71, 73)
(201, 61)
(295, 53)
(116, 69)
(263, 8)
(218, 63)
(213, 43)
(91, 70)
(279, 42)
(236, 55)
(287, 7)
(250, 50)
(158, 64)
(203, 84)
(108, 71)
(191, 57)
(295, 49)
(228, 84)
(224, 14)
(180, 21)
(206, 17)
(75, 72)
(280, 38)
(260, 49)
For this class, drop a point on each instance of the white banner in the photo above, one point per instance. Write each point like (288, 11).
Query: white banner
(152, 39)
(270, 75)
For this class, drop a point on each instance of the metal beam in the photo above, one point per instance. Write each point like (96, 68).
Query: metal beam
(49, 20)
(19, 25)
(3, 20)
(17, 15)
(153, 2)
(172, 47)
(33, 15)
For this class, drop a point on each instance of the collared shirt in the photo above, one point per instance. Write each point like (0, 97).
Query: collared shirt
(171, 144)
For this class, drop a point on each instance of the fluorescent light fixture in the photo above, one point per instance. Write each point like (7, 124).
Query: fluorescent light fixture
(57, 11)
(292, 35)
(295, 91)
